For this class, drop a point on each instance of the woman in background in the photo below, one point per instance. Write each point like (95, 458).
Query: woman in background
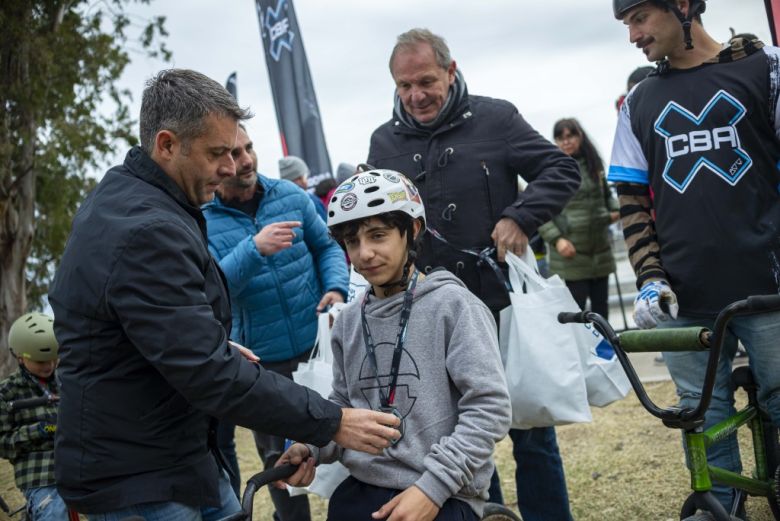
(580, 249)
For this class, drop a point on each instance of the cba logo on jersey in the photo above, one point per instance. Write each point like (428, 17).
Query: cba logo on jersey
(709, 141)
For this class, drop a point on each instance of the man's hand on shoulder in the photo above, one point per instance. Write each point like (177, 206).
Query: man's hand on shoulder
(367, 431)
(275, 237)
(507, 236)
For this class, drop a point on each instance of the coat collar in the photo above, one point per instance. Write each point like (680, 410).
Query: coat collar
(139, 164)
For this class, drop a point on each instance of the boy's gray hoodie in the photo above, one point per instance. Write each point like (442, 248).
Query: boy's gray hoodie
(451, 390)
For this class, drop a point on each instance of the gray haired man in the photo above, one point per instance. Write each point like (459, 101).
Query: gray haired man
(142, 318)
(464, 153)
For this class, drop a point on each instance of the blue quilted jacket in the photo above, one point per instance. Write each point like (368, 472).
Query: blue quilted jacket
(274, 298)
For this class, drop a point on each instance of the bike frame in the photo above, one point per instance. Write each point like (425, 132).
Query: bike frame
(698, 439)
(702, 474)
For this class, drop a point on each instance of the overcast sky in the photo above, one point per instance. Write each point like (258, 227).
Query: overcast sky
(552, 59)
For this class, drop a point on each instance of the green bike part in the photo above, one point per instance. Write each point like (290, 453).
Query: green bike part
(754, 487)
(721, 430)
(675, 339)
(695, 443)
(703, 474)
(762, 470)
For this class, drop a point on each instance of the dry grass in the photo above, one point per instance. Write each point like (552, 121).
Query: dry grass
(624, 466)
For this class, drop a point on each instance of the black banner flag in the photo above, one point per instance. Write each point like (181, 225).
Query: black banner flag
(297, 112)
(232, 85)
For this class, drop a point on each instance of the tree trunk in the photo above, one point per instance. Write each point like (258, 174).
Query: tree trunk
(17, 228)
(17, 184)
(16, 234)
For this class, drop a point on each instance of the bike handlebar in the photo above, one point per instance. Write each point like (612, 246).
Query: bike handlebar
(763, 303)
(567, 317)
(256, 482)
(261, 479)
(29, 403)
(676, 339)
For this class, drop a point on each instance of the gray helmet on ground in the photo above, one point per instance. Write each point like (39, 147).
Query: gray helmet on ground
(32, 337)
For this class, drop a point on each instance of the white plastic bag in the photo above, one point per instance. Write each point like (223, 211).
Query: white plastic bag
(357, 284)
(541, 357)
(317, 374)
(604, 376)
(541, 300)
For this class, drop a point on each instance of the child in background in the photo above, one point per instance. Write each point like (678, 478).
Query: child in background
(27, 435)
(419, 346)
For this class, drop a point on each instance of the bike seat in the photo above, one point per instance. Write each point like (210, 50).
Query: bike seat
(743, 377)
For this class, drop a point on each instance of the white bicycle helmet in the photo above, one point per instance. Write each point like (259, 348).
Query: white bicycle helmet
(374, 192)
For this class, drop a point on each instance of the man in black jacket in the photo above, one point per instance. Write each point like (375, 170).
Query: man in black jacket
(142, 315)
(464, 153)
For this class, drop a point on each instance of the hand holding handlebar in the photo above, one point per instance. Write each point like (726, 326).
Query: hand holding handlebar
(656, 302)
(298, 455)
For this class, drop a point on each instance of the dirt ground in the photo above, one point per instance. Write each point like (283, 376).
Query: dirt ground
(624, 466)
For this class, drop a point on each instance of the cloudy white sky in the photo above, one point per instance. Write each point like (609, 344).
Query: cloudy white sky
(552, 59)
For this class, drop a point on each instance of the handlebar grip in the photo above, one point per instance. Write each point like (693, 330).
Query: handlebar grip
(29, 403)
(764, 303)
(676, 339)
(568, 317)
(274, 474)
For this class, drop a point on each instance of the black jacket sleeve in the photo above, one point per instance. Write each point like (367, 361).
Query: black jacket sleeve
(162, 292)
(552, 176)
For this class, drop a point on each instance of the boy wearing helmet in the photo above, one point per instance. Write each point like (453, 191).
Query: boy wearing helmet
(27, 435)
(695, 162)
(419, 346)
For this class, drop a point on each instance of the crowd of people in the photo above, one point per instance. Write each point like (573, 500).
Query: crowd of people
(190, 286)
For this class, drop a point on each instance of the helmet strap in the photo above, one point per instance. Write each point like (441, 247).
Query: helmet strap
(411, 256)
(686, 21)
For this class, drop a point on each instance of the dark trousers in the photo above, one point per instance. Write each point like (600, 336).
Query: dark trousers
(354, 500)
(594, 289)
(270, 448)
(227, 446)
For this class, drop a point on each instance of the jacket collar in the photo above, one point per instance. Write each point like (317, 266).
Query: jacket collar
(464, 114)
(139, 164)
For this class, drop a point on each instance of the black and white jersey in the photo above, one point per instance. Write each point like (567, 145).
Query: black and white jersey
(705, 142)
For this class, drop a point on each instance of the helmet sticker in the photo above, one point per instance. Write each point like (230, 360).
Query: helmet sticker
(348, 202)
(391, 177)
(346, 187)
(397, 196)
(366, 179)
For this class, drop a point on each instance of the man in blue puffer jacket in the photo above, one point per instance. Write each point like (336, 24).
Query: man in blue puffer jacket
(282, 268)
